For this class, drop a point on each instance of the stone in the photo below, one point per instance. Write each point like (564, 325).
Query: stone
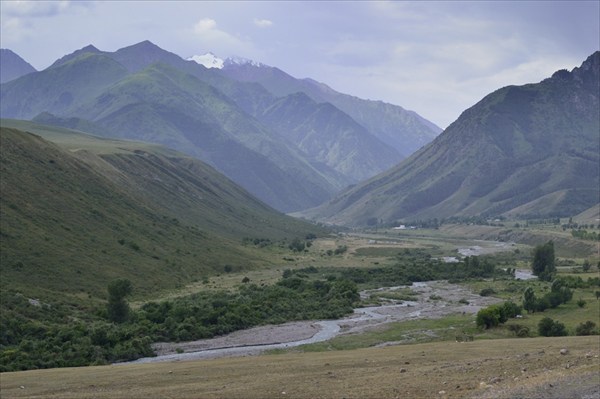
(564, 351)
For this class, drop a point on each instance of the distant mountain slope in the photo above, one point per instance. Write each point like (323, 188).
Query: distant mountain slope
(143, 92)
(162, 104)
(529, 150)
(403, 130)
(12, 66)
(88, 210)
(61, 88)
(327, 135)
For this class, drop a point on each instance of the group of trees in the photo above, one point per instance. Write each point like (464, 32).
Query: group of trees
(494, 315)
(559, 294)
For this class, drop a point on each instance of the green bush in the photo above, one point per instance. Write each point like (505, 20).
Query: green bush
(488, 317)
(487, 292)
(586, 328)
(550, 328)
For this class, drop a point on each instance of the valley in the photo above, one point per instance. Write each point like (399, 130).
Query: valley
(173, 230)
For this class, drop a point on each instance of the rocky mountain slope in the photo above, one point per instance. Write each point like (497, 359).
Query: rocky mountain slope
(529, 150)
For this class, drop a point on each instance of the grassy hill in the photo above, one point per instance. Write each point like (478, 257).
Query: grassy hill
(522, 151)
(81, 211)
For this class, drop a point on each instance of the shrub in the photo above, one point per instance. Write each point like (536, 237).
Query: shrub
(512, 309)
(587, 328)
(488, 317)
(519, 330)
(487, 292)
(550, 328)
(581, 303)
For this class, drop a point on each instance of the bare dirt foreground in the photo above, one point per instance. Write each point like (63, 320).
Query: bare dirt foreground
(510, 368)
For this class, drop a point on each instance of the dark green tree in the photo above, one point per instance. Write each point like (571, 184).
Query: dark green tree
(297, 245)
(586, 265)
(543, 264)
(117, 307)
(529, 300)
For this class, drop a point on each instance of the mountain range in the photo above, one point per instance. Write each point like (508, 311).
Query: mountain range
(241, 126)
(522, 151)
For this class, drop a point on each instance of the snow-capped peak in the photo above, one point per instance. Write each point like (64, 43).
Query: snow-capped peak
(242, 61)
(209, 60)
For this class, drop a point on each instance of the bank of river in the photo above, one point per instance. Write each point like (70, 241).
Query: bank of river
(256, 340)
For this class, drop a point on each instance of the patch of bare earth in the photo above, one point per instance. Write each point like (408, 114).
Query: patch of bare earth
(506, 368)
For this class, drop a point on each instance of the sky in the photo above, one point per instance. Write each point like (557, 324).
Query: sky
(434, 58)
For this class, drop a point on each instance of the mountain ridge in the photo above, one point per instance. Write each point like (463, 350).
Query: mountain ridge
(287, 174)
(523, 148)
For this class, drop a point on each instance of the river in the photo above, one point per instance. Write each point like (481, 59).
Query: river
(243, 343)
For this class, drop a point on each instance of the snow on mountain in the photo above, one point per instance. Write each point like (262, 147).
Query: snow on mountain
(209, 60)
(242, 61)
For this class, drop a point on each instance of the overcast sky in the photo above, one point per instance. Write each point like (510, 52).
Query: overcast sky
(435, 58)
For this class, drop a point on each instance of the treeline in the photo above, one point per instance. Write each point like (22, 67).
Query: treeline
(585, 235)
(412, 265)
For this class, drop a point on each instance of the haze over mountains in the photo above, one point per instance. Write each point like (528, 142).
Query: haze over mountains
(291, 150)
(529, 151)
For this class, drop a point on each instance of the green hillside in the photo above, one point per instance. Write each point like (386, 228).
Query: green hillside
(85, 211)
(524, 151)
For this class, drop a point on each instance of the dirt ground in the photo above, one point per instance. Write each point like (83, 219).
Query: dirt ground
(483, 369)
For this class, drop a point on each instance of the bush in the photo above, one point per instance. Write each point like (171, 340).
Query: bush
(512, 309)
(519, 330)
(550, 328)
(488, 317)
(587, 328)
(487, 292)
(581, 303)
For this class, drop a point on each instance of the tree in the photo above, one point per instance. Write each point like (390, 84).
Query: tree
(543, 264)
(529, 300)
(296, 245)
(586, 265)
(117, 307)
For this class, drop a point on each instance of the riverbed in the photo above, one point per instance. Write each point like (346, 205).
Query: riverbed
(433, 299)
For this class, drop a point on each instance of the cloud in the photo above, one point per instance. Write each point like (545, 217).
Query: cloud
(205, 25)
(262, 23)
(210, 37)
(25, 8)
